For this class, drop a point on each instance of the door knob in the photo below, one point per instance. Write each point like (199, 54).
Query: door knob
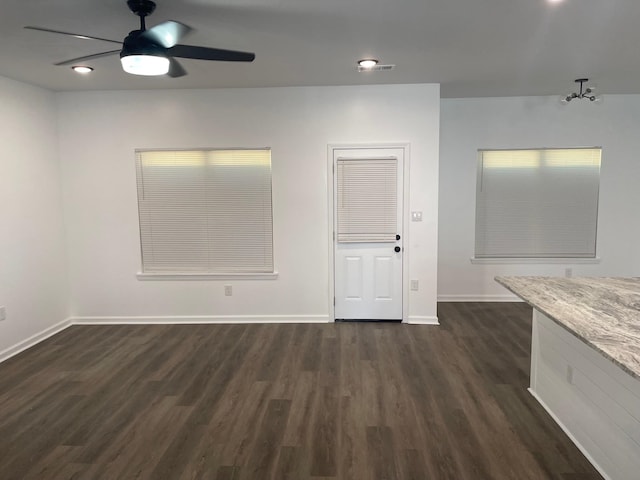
(397, 249)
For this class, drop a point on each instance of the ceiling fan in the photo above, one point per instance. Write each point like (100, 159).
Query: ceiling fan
(152, 51)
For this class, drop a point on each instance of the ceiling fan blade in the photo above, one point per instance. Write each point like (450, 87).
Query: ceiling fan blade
(206, 53)
(77, 35)
(167, 33)
(87, 57)
(175, 69)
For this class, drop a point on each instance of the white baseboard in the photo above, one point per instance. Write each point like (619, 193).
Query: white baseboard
(419, 320)
(570, 435)
(479, 298)
(33, 340)
(199, 319)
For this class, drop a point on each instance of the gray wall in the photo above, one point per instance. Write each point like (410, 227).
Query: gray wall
(533, 122)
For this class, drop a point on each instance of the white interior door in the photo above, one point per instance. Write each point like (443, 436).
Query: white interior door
(368, 190)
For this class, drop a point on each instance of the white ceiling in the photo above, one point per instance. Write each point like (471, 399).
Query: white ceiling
(471, 47)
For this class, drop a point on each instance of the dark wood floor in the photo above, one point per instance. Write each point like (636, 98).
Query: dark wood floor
(348, 401)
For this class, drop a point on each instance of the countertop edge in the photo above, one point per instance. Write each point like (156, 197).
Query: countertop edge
(503, 281)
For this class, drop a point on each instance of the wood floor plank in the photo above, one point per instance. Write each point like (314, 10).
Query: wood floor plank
(141, 444)
(352, 440)
(240, 438)
(272, 358)
(228, 473)
(398, 412)
(303, 403)
(207, 459)
(344, 401)
(53, 465)
(324, 433)
(312, 353)
(381, 453)
(412, 466)
(264, 452)
(41, 438)
(290, 465)
(179, 453)
(285, 382)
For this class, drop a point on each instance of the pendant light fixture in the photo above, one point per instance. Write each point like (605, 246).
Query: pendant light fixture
(584, 93)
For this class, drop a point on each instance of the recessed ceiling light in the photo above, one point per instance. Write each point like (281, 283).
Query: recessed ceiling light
(368, 62)
(555, 1)
(82, 69)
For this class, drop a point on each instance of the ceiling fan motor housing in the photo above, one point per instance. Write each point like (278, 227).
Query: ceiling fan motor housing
(135, 45)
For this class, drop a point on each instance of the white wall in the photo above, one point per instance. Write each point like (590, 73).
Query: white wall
(100, 130)
(33, 281)
(530, 122)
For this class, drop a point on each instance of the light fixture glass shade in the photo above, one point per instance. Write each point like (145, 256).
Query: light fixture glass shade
(145, 64)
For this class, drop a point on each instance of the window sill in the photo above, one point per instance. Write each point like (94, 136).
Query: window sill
(206, 276)
(533, 261)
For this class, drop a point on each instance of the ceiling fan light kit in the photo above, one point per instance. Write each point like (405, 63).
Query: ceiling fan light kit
(139, 56)
(149, 65)
(151, 52)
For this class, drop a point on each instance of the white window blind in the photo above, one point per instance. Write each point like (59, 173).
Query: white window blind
(205, 211)
(537, 203)
(367, 199)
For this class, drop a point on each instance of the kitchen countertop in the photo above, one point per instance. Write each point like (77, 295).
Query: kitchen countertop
(604, 313)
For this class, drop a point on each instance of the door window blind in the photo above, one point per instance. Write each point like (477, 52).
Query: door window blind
(537, 203)
(367, 200)
(205, 211)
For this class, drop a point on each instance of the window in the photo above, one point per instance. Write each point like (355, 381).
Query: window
(537, 203)
(205, 211)
(367, 199)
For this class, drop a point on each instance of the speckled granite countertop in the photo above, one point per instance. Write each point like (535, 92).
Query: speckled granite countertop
(602, 312)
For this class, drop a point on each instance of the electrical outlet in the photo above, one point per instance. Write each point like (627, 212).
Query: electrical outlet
(416, 216)
(3, 313)
(228, 290)
(415, 285)
(568, 272)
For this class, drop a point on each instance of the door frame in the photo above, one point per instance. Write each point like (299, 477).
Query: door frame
(405, 147)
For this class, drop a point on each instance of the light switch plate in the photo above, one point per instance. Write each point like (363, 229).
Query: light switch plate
(416, 216)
